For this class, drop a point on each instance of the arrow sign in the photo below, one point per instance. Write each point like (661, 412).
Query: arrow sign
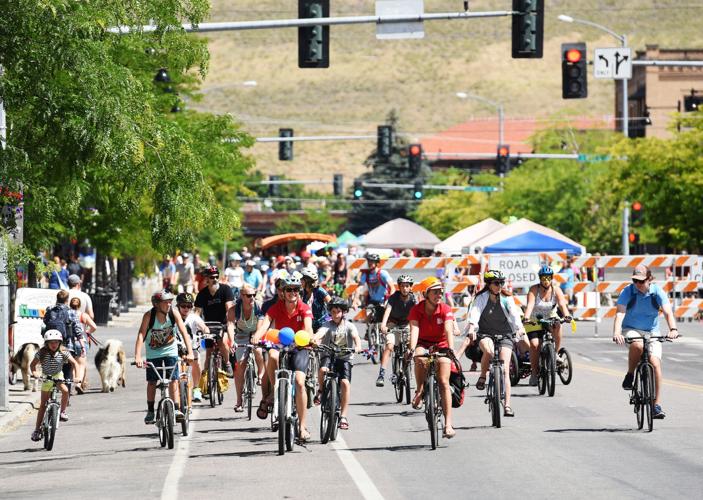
(613, 63)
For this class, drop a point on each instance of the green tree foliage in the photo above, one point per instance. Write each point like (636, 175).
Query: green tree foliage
(91, 137)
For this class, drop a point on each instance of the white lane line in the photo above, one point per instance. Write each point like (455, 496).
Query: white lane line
(356, 471)
(178, 464)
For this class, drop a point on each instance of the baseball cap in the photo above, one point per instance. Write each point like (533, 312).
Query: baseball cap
(73, 280)
(641, 272)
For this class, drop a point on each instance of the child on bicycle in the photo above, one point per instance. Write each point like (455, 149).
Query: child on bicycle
(338, 332)
(53, 356)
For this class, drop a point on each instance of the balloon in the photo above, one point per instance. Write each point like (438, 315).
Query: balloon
(272, 336)
(302, 338)
(286, 336)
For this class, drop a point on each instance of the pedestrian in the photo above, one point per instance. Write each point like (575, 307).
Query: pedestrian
(58, 277)
(184, 274)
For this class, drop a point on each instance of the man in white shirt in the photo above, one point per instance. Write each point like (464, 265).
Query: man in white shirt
(234, 274)
(74, 285)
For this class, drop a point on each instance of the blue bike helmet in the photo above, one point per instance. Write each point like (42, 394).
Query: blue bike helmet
(545, 271)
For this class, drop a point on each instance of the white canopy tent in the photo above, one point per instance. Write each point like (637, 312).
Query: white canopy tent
(467, 236)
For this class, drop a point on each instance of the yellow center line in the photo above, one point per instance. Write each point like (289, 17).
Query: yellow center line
(618, 373)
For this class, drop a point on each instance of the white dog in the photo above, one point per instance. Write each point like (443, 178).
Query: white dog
(21, 362)
(110, 362)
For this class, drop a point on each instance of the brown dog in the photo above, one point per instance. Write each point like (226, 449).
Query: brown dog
(21, 362)
(111, 364)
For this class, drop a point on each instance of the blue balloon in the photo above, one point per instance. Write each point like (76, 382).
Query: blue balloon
(286, 336)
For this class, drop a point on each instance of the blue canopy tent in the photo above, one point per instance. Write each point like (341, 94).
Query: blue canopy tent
(532, 241)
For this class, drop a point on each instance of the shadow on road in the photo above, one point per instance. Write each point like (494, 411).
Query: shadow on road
(391, 414)
(409, 447)
(260, 453)
(602, 429)
(374, 403)
(150, 436)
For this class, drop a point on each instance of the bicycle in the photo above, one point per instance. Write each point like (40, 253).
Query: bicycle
(215, 364)
(50, 422)
(548, 366)
(311, 382)
(401, 365)
(330, 400)
(495, 386)
(166, 409)
(643, 386)
(250, 376)
(184, 391)
(433, 408)
(284, 403)
(373, 332)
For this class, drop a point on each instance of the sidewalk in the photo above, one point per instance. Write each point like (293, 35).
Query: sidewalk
(23, 403)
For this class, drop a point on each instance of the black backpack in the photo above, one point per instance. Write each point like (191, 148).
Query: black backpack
(457, 383)
(656, 301)
(56, 318)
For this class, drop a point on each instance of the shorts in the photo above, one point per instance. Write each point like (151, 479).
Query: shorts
(377, 314)
(298, 360)
(391, 337)
(173, 374)
(508, 342)
(655, 348)
(48, 384)
(67, 372)
(241, 339)
(342, 367)
(474, 353)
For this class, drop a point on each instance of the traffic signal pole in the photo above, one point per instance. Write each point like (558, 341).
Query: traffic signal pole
(626, 229)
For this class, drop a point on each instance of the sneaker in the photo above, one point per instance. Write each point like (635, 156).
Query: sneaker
(37, 435)
(63, 416)
(197, 395)
(533, 380)
(658, 412)
(149, 419)
(179, 415)
(627, 381)
(230, 372)
(379, 380)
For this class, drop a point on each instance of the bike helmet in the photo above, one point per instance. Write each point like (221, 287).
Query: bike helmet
(211, 272)
(309, 274)
(292, 281)
(493, 275)
(162, 296)
(430, 283)
(373, 257)
(404, 278)
(52, 335)
(339, 303)
(184, 298)
(545, 271)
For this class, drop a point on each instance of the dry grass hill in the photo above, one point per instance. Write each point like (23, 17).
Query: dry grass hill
(419, 78)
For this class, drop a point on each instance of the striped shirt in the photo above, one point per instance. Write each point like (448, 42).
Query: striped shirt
(52, 362)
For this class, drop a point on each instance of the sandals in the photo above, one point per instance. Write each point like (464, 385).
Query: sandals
(417, 401)
(304, 435)
(508, 412)
(316, 399)
(263, 411)
(37, 435)
(240, 409)
(481, 383)
(449, 433)
(343, 423)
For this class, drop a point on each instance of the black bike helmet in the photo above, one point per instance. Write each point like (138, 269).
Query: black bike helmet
(211, 272)
(373, 257)
(493, 275)
(184, 298)
(338, 302)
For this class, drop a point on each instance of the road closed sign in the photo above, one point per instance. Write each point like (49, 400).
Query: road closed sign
(519, 270)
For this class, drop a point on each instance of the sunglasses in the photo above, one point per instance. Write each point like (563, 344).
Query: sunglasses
(547, 278)
(185, 306)
(638, 282)
(294, 290)
(499, 283)
(249, 295)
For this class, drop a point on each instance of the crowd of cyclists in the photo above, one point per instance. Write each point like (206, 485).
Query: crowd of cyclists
(305, 294)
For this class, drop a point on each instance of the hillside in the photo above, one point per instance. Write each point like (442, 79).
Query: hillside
(419, 78)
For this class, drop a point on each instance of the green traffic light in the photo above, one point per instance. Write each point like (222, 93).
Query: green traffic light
(358, 193)
(418, 195)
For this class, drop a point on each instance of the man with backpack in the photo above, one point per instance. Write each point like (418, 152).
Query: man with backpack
(638, 313)
(57, 317)
(379, 287)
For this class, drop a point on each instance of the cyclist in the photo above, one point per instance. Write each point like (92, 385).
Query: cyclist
(315, 296)
(494, 314)
(53, 356)
(432, 325)
(156, 333)
(395, 315)
(246, 317)
(543, 299)
(194, 326)
(638, 313)
(340, 333)
(234, 274)
(379, 286)
(212, 304)
(296, 314)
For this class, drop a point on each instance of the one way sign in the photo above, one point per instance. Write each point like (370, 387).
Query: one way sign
(615, 64)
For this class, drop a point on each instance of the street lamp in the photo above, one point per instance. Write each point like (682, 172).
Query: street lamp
(497, 105)
(623, 40)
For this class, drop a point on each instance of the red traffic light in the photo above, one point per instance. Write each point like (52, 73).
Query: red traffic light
(503, 151)
(415, 150)
(573, 55)
(634, 238)
(637, 206)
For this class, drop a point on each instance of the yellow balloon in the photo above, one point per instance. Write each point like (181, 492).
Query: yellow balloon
(302, 338)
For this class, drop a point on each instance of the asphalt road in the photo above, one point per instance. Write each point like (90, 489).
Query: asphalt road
(582, 443)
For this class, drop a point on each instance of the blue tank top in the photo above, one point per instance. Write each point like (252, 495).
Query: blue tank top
(160, 340)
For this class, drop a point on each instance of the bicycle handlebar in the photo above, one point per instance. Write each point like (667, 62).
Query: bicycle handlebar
(335, 349)
(657, 338)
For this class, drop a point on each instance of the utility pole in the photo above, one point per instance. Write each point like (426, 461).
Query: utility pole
(626, 229)
(4, 294)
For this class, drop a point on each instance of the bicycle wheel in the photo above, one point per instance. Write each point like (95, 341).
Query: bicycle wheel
(373, 342)
(542, 373)
(648, 395)
(329, 408)
(636, 398)
(514, 370)
(311, 382)
(249, 386)
(282, 396)
(399, 384)
(496, 377)
(161, 425)
(551, 370)
(431, 410)
(212, 381)
(335, 423)
(291, 427)
(50, 431)
(406, 377)
(183, 390)
(566, 369)
(168, 419)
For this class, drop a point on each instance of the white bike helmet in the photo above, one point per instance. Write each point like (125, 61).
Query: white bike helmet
(52, 335)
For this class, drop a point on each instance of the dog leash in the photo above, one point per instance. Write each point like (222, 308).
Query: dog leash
(92, 338)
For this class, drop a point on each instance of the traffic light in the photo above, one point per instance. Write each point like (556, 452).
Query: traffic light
(338, 184)
(417, 190)
(274, 189)
(415, 157)
(358, 189)
(692, 102)
(285, 148)
(574, 74)
(384, 145)
(313, 41)
(528, 29)
(636, 213)
(634, 238)
(503, 159)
